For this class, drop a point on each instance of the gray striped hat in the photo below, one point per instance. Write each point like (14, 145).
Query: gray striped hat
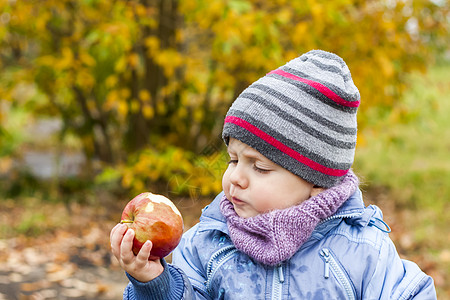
(301, 116)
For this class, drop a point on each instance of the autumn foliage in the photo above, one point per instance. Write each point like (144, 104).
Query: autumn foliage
(143, 85)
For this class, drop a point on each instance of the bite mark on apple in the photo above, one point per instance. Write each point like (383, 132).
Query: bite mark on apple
(161, 199)
(149, 208)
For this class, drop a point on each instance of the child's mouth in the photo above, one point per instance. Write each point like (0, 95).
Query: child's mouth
(237, 201)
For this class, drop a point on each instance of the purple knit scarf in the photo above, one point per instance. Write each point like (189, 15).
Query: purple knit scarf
(275, 236)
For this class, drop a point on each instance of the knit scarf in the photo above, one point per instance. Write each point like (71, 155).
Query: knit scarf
(275, 236)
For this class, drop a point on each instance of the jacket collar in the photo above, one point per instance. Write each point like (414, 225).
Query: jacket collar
(353, 208)
(352, 211)
(212, 218)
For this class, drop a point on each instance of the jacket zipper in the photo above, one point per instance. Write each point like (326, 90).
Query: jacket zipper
(339, 216)
(214, 265)
(330, 262)
(277, 282)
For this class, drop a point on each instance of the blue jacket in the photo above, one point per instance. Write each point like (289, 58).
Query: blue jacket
(349, 256)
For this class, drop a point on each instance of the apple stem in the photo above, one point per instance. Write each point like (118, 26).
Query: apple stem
(125, 221)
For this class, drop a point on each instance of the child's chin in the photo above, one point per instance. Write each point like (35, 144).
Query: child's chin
(244, 213)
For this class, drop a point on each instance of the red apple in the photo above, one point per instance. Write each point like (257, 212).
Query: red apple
(155, 218)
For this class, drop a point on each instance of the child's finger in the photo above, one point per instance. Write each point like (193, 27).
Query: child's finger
(144, 254)
(114, 230)
(116, 238)
(126, 253)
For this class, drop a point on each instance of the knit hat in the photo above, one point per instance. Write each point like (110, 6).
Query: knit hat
(301, 116)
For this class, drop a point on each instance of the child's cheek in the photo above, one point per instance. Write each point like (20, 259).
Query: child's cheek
(262, 203)
(226, 183)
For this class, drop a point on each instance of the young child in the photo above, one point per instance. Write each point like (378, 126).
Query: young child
(290, 223)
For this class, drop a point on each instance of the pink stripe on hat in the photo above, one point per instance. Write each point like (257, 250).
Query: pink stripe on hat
(283, 148)
(318, 86)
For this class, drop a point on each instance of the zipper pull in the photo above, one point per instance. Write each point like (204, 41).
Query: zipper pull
(374, 222)
(280, 274)
(221, 294)
(326, 255)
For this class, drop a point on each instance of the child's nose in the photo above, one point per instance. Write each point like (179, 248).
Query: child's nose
(238, 177)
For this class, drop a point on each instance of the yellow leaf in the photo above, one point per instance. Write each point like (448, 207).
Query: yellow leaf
(120, 65)
(198, 115)
(66, 60)
(134, 106)
(87, 59)
(152, 44)
(285, 15)
(125, 93)
(361, 140)
(46, 60)
(122, 108)
(148, 111)
(169, 59)
(127, 179)
(316, 10)
(111, 81)
(41, 22)
(299, 33)
(138, 185)
(111, 100)
(161, 108)
(182, 112)
(386, 65)
(85, 79)
(133, 60)
(144, 95)
(141, 10)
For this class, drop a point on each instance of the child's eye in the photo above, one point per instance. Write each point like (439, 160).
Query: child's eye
(260, 170)
(233, 161)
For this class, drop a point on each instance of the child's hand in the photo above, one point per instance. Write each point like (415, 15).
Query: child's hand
(137, 266)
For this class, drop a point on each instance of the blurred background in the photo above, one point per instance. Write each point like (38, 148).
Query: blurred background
(101, 100)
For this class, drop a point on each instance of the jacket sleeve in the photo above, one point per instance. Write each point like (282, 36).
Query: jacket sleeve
(183, 279)
(396, 278)
(172, 284)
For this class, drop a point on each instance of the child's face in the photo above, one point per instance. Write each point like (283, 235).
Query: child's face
(254, 184)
